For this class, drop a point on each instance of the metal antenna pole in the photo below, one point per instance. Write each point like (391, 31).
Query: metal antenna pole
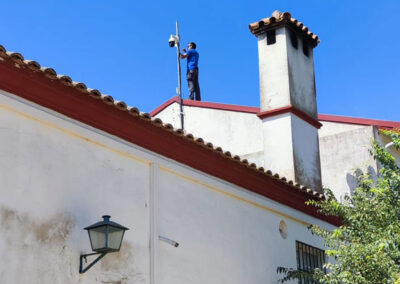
(179, 89)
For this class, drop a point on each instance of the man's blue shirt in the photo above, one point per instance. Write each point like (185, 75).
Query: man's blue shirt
(192, 59)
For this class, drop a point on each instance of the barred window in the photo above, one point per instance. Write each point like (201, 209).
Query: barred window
(309, 258)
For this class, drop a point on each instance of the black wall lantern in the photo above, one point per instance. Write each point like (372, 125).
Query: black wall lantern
(105, 236)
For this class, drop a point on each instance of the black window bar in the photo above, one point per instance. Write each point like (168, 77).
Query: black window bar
(309, 258)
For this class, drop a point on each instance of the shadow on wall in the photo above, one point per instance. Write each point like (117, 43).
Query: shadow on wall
(352, 179)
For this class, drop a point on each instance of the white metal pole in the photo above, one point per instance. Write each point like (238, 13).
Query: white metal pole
(179, 77)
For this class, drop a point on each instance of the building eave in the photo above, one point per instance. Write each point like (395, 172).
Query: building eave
(59, 93)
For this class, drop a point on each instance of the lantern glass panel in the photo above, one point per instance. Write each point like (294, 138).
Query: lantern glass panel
(98, 238)
(115, 236)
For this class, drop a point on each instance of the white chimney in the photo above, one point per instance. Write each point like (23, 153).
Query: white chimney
(288, 98)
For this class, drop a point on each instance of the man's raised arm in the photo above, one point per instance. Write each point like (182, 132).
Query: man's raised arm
(183, 55)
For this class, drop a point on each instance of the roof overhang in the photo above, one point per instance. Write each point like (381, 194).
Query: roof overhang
(73, 99)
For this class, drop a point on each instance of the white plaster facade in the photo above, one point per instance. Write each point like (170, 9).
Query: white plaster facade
(238, 132)
(59, 175)
(285, 135)
(286, 74)
(343, 146)
(291, 149)
(287, 80)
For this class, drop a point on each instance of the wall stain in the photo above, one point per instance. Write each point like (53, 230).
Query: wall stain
(54, 229)
(36, 248)
(114, 261)
(37, 251)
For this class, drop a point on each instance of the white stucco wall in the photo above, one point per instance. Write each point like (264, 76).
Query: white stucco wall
(59, 176)
(274, 71)
(171, 114)
(286, 74)
(237, 132)
(217, 225)
(306, 153)
(301, 76)
(344, 148)
(277, 134)
(291, 149)
(331, 128)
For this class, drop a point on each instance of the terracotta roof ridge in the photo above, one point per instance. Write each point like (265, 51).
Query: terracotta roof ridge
(51, 74)
(277, 19)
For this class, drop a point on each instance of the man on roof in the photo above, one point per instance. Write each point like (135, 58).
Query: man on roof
(192, 73)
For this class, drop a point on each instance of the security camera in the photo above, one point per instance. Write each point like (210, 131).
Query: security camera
(173, 40)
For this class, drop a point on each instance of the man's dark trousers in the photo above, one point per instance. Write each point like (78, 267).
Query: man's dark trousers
(193, 83)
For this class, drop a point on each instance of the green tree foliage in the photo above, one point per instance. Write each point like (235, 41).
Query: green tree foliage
(366, 247)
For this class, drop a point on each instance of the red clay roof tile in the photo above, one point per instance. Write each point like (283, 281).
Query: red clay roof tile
(280, 19)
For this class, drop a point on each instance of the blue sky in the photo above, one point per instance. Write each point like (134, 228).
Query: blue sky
(121, 48)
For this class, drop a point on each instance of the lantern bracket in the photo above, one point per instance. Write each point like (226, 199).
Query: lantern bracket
(107, 236)
(83, 257)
